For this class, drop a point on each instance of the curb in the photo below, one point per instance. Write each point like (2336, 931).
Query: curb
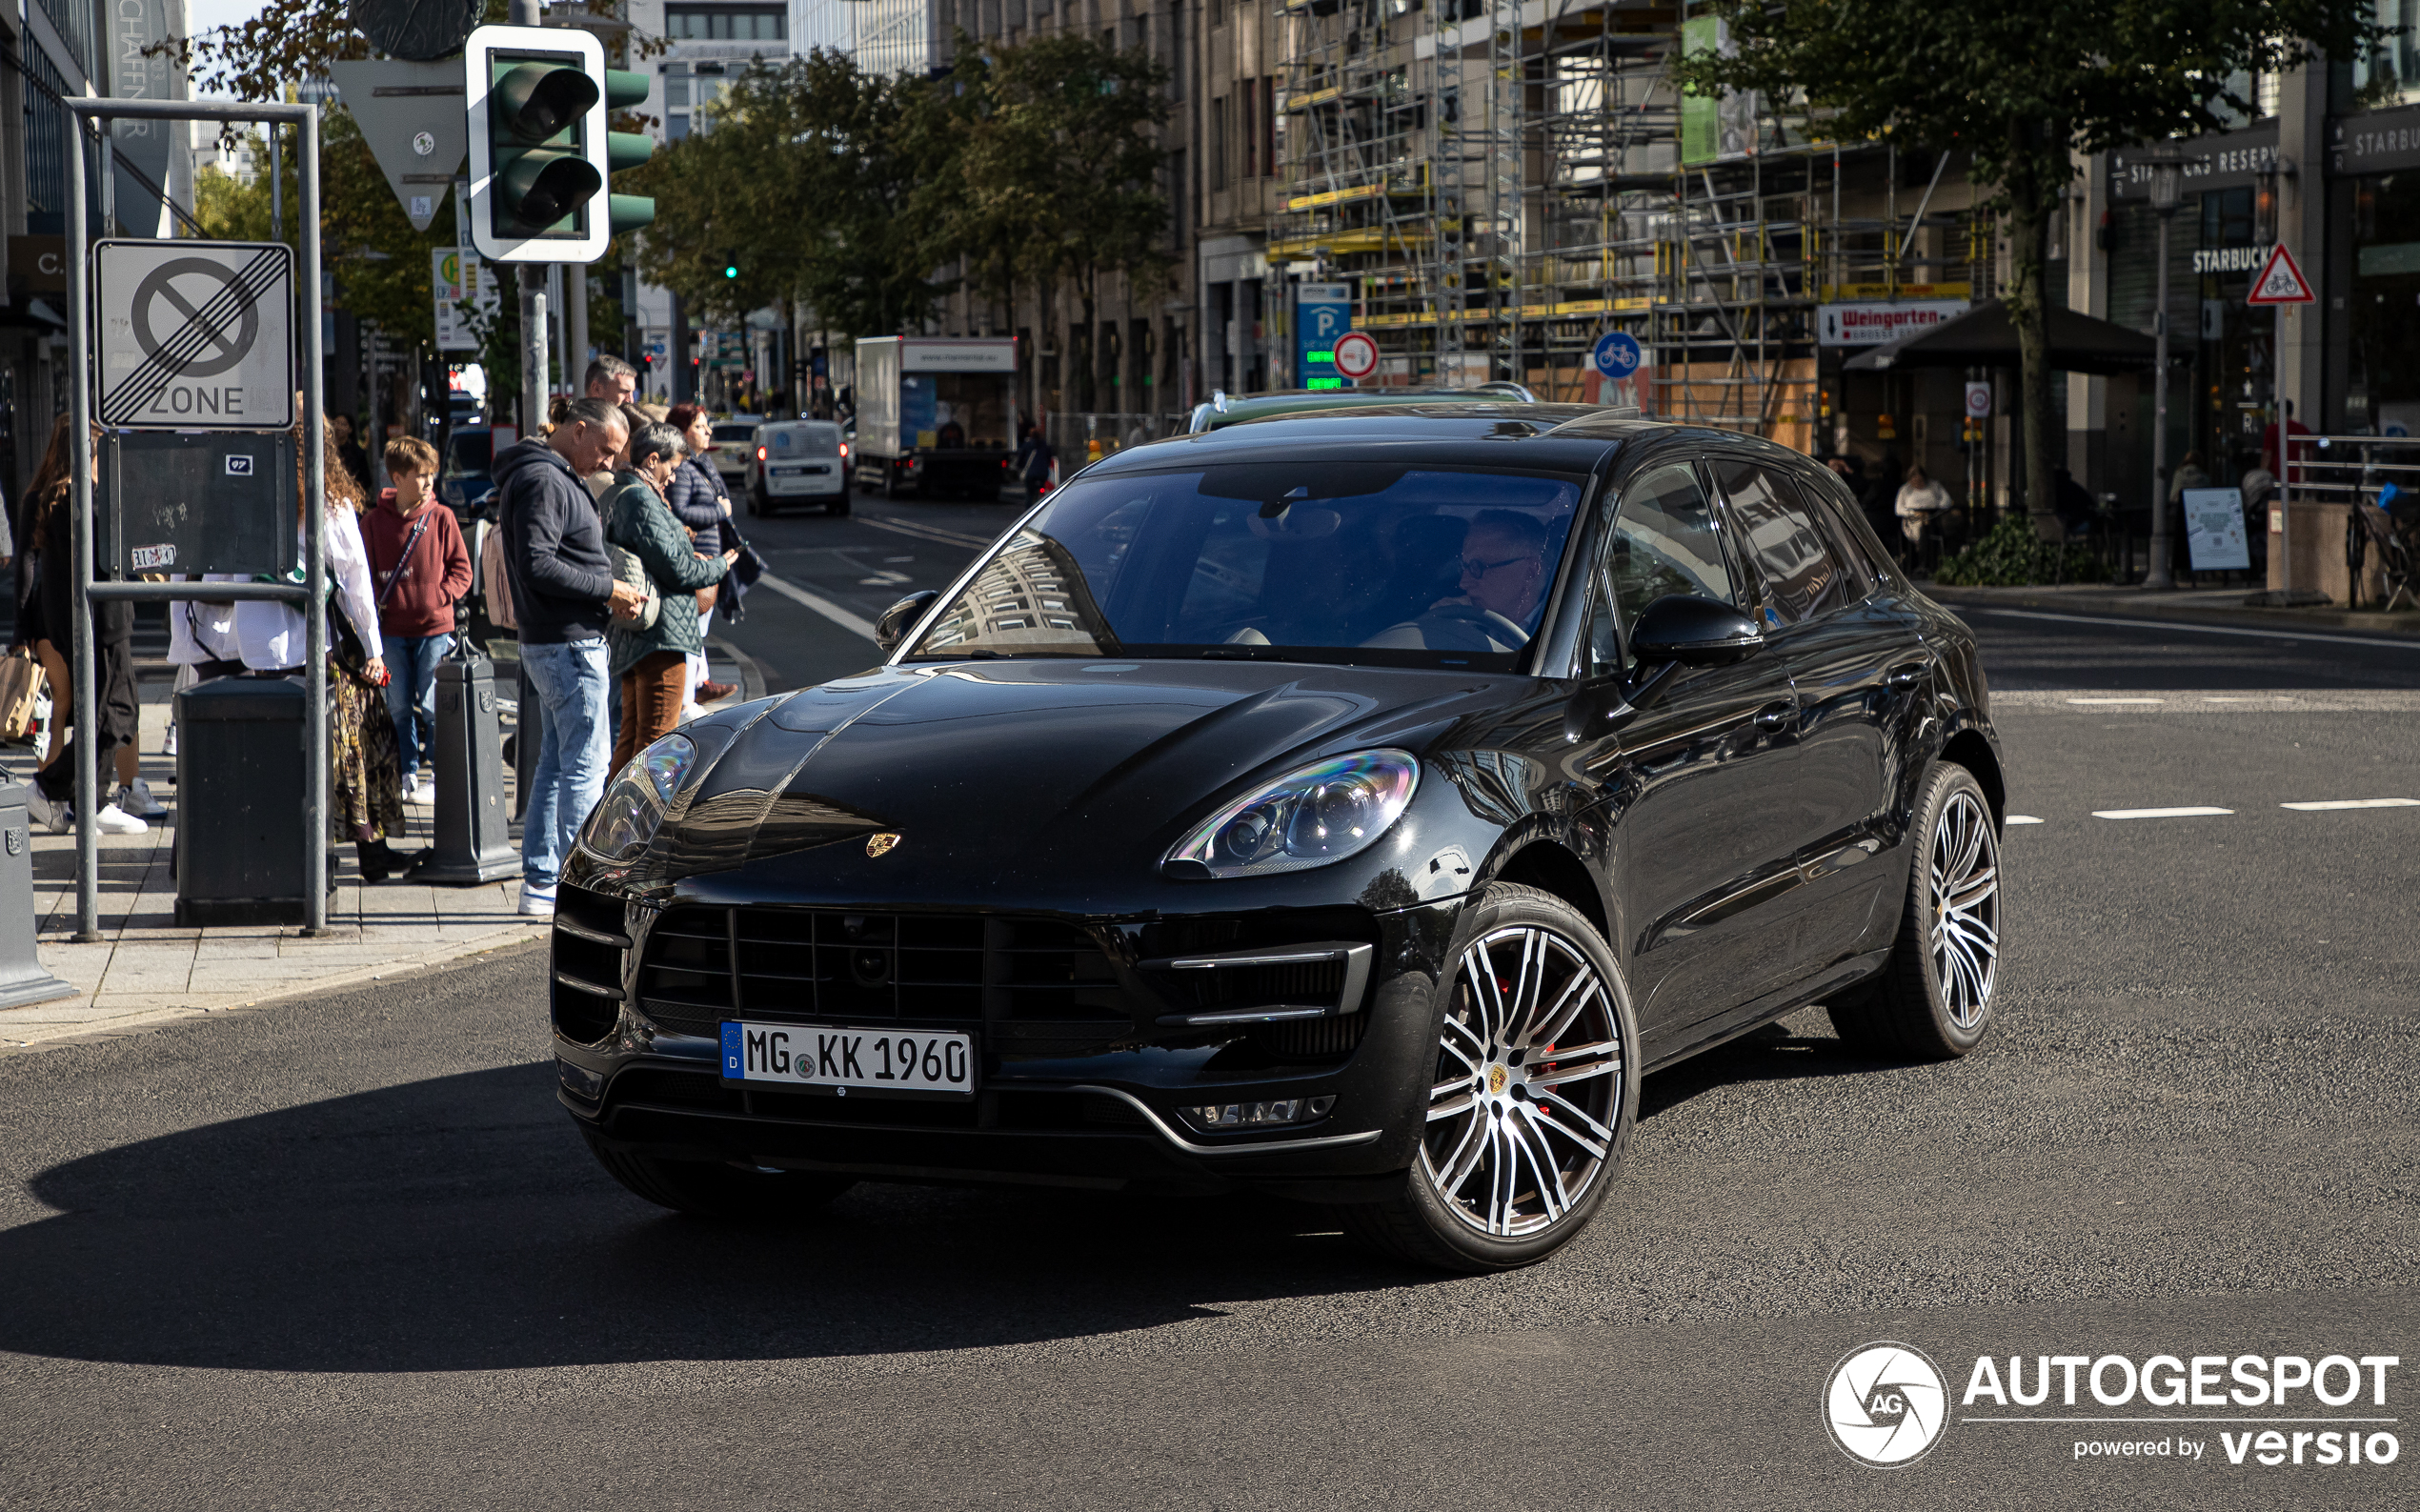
(145, 1021)
(2152, 609)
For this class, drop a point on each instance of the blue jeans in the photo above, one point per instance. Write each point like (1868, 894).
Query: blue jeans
(412, 693)
(569, 679)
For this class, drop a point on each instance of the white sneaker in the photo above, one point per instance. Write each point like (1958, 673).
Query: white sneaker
(136, 798)
(53, 816)
(417, 788)
(115, 820)
(536, 904)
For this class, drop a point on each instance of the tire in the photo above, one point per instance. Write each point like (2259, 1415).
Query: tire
(840, 506)
(757, 508)
(1932, 1000)
(705, 1190)
(1461, 1206)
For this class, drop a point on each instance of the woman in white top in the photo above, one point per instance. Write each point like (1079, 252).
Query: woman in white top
(1920, 499)
(366, 798)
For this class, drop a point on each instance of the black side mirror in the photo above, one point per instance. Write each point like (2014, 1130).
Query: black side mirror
(1694, 631)
(894, 625)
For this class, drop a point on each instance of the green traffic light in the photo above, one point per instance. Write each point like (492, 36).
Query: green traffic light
(730, 270)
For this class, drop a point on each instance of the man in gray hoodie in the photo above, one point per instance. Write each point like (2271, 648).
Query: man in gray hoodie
(563, 594)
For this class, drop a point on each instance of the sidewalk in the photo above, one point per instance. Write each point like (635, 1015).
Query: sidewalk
(2208, 605)
(147, 971)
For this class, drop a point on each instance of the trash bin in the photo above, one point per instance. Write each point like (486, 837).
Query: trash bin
(473, 836)
(243, 777)
(22, 978)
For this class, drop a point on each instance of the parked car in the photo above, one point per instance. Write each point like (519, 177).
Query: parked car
(1222, 409)
(1350, 808)
(463, 483)
(798, 462)
(736, 446)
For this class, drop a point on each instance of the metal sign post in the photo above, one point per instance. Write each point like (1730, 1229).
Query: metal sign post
(211, 330)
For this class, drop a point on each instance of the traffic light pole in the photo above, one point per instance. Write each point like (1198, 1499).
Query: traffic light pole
(533, 317)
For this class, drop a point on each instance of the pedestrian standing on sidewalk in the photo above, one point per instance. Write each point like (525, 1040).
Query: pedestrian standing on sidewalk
(652, 663)
(1920, 502)
(697, 496)
(50, 532)
(420, 566)
(564, 596)
(365, 799)
(611, 379)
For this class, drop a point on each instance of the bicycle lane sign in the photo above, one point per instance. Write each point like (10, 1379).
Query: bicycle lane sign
(196, 336)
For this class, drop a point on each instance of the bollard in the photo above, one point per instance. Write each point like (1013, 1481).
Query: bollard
(474, 839)
(22, 978)
(242, 847)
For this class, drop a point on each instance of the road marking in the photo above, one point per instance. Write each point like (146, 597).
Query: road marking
(853, 624)
(923, 531)
(2204, 629)
(2022, 818)
(2156, 813)
(2352, 803)
(2117, 700)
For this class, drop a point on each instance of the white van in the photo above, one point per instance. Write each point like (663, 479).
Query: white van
(798, 462)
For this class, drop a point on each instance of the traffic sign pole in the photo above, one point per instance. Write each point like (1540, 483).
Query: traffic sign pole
(2279, 283)
(310, 596)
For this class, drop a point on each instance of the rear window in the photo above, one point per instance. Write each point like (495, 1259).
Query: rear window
(801, 440)
(470, 450)
(735, 432)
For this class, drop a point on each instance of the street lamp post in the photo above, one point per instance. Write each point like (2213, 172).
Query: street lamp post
(2166, 163)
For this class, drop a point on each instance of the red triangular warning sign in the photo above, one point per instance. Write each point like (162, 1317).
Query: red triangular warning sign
(2280, 281)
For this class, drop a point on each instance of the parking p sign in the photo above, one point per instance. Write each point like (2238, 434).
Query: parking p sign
(1616, 354)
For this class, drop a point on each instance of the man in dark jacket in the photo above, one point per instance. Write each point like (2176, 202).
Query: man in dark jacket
(564, 596)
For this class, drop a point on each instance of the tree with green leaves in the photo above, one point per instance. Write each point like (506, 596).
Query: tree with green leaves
(1058, 181)
(2023, 90)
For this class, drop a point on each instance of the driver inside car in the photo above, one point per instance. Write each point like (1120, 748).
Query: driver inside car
(1504, 563)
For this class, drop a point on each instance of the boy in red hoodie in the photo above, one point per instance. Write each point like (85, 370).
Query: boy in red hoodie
(418, 567)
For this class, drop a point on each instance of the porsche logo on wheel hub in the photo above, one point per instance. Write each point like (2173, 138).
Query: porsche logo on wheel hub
(881, 844)
(1496, 1079)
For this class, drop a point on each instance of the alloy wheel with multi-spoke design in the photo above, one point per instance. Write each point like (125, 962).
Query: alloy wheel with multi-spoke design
(1964, 868)
(1527, 1093)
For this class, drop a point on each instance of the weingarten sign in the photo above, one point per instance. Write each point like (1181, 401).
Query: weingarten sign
(1873, 325)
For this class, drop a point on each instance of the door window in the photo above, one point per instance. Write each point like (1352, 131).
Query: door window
(1663, 541)
(1802, 573)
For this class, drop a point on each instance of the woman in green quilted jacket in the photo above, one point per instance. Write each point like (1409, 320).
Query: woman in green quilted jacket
(652, 663)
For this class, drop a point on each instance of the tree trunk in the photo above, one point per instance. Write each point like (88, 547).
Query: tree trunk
(2030, 204)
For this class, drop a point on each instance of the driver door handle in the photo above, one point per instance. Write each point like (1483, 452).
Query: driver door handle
(1775, 717)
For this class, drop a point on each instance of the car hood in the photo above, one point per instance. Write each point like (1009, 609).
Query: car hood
(1020, 777)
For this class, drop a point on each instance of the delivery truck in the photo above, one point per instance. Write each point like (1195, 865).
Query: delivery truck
(937, 415)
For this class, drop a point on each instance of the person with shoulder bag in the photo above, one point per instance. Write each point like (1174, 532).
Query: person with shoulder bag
(697, 496)
(652, 657)
(419, 567)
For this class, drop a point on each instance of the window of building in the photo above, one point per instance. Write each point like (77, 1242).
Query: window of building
(2389, 74)
(1219, 143)
(727, 23)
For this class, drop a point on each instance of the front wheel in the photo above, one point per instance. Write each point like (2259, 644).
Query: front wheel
(706, 1190)
(1933, 999)
(1533, 1094)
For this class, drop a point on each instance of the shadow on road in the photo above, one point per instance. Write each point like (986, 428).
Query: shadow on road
(1797, 1048)
(457, 1224)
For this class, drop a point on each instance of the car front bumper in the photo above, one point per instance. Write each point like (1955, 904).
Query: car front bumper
(1056, 1103)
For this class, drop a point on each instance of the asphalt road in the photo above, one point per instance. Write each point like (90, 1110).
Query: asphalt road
(347, 1253)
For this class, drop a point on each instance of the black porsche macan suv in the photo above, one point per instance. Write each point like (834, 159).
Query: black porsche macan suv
(1352, 808)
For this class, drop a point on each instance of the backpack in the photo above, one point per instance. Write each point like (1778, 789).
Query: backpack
(495, 584)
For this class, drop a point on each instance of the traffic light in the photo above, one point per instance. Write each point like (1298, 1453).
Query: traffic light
(730, 267)
(539, 150)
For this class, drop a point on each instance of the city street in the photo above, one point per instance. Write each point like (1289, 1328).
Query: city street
(347, 1251)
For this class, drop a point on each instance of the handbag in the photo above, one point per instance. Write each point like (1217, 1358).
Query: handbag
(629, 568)
(20, 692)
(496, 584)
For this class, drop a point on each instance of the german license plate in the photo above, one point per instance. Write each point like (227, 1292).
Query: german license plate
(878, 1060)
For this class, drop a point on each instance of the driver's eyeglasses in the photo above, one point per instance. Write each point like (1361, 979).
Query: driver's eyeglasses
(1473, 567)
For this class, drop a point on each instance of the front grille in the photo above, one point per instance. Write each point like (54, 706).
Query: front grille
(1035, 1111)
(1039, 986)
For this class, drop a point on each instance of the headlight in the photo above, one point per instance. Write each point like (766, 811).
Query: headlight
(633, 805)
(1310, 816)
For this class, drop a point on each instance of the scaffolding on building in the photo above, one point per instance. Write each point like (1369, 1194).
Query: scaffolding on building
(1506, 181)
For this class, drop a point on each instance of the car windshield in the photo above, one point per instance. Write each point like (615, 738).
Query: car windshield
(735, 432)
(470, 450)
(1360, 563)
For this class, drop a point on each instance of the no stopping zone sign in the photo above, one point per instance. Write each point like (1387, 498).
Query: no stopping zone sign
(196, 336)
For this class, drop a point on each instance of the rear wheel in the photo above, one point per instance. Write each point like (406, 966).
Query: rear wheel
(1529, 1108)
(1933, 999)
(839, 506)
(704, 1189)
